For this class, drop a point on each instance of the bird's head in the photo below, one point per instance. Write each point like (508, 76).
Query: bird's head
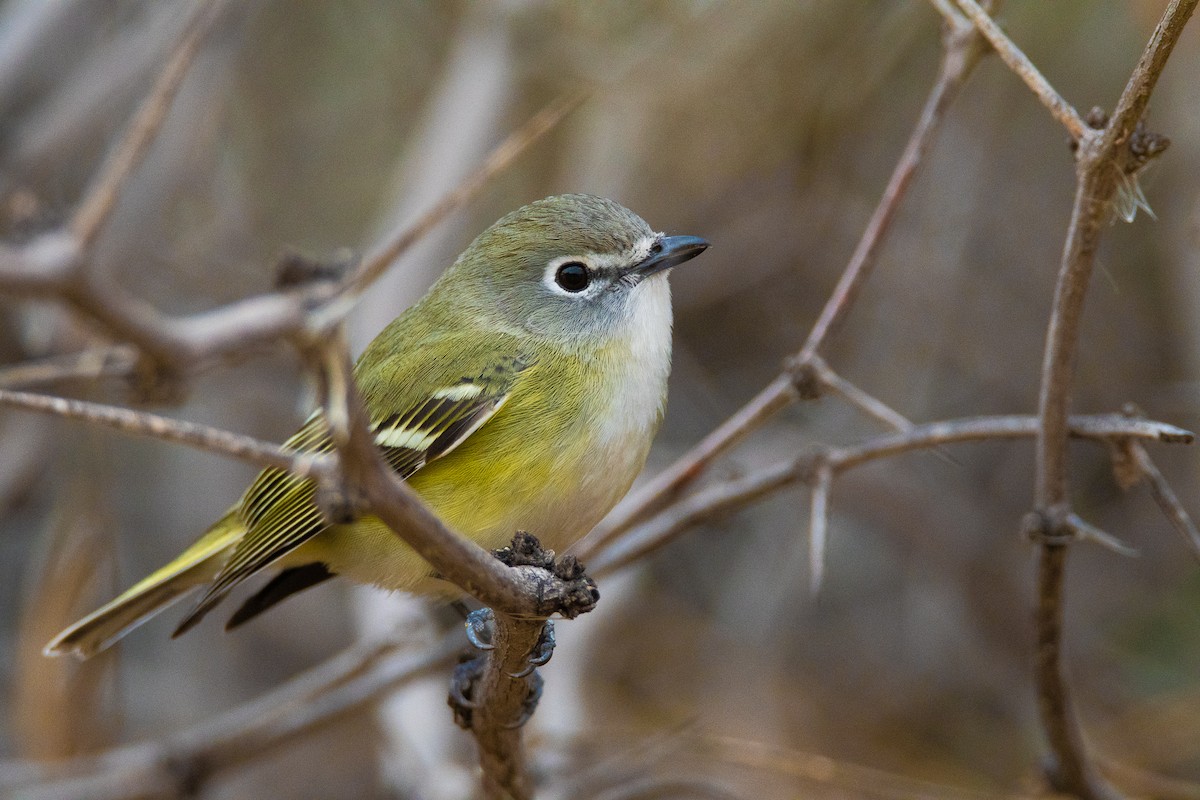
(570, 266)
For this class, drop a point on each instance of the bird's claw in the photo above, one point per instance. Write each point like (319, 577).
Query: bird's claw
(481, 629)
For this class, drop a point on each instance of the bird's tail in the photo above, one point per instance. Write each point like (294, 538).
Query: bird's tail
(196, 566)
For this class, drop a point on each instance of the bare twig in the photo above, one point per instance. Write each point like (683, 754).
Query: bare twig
(867, 403)
(1086, 530)
(381, 257)
(522, 597)
(183, 763)
(101, 362)
(1166, 498)
(1102, 162)
(726, 496)
(961, 54)
(1019, 63)
(140, 423)
(818, 525)
(101, 197)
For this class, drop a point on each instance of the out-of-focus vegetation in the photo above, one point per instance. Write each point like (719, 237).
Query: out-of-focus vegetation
(768, 128)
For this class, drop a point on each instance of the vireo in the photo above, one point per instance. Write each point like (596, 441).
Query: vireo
(521, 393)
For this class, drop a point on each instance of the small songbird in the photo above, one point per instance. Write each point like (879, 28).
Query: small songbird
(520, 393)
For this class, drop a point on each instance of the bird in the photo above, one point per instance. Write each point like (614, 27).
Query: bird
(521, 392)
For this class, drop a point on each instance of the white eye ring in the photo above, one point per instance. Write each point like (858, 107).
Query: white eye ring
(573, 277)
(561, 284)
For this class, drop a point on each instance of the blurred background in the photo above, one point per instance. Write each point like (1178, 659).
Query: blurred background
(768, 128)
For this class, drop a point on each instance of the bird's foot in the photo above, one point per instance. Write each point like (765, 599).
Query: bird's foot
(481, 630)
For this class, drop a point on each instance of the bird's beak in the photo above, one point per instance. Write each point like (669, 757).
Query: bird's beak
(669, 251)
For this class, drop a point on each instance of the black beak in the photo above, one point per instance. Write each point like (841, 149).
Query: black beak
(670, 251)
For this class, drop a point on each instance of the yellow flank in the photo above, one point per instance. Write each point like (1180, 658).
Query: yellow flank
(494, 483)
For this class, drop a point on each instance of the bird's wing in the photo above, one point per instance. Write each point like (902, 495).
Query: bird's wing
(279, 510)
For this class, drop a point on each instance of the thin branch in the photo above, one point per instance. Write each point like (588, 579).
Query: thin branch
(192, 434)
(1166, 498)
(1019, 63)
(101, 362)
(665, 526)
(522, 598)
(182, 764)
(501, 699)
(101, 197)
(818, 525)
(723, 497)
(378, 260)
(867, 403)
(1086, 530)
(961, 54)
(1102, 163)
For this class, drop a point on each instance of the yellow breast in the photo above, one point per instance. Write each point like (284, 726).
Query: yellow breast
(559, 454)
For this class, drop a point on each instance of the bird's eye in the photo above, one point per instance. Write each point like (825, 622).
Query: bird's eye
(573, 276)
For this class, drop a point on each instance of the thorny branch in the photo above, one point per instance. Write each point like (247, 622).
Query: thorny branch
(813, 467)
(56, 266)
(182, 764)
(1102, 162)
(963, 49)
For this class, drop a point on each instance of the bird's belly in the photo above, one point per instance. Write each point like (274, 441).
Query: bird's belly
(558, 497)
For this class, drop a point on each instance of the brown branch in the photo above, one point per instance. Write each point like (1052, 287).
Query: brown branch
(183, 763)
(395, 244)
(826, 379)
(522, 598)
(101, 197)
(1102, 162)
(101, 362)
(726, 496)
(1166, 498)
(192, 434)
(962, 52)
(501, 699)
(51, 267)
(1019, 63)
